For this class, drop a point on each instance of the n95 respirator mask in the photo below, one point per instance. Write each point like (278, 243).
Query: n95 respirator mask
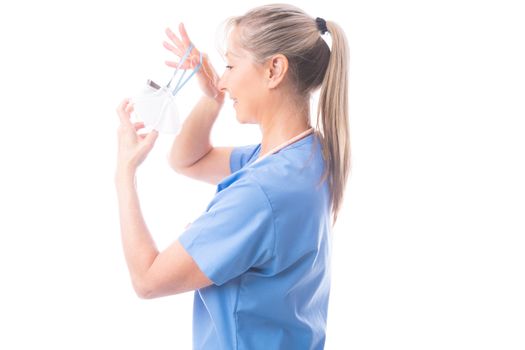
(155, 105)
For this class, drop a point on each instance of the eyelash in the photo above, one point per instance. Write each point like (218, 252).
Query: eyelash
(229, 67)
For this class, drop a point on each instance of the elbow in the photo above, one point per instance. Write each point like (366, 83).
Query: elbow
(144, 294)
(170, 161)
(173, 165)
(142, 290)
(151, 290)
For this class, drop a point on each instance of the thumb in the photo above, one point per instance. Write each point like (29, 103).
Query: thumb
(151, 137)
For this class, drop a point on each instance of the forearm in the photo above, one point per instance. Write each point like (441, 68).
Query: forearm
(139, 248)
(193, 142)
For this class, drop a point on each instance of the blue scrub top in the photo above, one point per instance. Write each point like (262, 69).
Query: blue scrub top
(265, 242)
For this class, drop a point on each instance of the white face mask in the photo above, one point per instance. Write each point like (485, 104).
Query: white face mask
(156, 106)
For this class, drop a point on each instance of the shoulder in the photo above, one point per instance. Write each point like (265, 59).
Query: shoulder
(245, 196)
(242, 155)
(291, 180)
(291, 175)
(293, 170)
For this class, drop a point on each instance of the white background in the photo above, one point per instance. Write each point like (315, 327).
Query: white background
(429, 247)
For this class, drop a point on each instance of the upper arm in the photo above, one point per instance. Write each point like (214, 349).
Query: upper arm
(212, 167)
(173, 272)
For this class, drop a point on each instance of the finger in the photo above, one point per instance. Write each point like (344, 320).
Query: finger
(194, 56)
(138, 125)
(129, 108)
(184, 35)
(185, 65)
(151, 137)
(207, 67)
(122, 104)
(174, 38)
(172, 48)
(121, 111)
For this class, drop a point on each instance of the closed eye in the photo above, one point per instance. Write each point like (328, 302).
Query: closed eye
(229, 67)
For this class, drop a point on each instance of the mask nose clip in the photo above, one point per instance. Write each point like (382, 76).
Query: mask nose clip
(153, 84)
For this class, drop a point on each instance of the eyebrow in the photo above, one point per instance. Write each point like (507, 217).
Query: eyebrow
(232, 53)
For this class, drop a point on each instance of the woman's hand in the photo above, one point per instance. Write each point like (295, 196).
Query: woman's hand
(132, 147)
(207, 77)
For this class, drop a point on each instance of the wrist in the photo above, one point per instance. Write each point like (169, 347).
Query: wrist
(125, 176)
(219, 98)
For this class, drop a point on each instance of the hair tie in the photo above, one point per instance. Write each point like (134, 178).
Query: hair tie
(321, 25)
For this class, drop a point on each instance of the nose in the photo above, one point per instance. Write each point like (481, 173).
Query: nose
(222, 84)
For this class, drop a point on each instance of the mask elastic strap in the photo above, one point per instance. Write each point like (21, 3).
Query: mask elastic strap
(195, 70)
(188, 50)
(179, 86)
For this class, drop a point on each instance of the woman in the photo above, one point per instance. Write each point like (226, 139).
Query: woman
(258, 258)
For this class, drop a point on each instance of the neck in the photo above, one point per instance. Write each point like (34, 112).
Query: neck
(275, 134)
(281, 124)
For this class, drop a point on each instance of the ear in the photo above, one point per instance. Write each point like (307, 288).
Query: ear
(276, 70)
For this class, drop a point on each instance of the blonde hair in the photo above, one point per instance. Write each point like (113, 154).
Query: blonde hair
(282, 28)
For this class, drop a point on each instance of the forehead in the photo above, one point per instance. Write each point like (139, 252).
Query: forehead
(233, 50)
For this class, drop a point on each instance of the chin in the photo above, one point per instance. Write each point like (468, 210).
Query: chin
(242, 120)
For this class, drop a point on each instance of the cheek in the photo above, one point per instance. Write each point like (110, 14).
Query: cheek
(246, 86)
(245, 78)
(239, 80)
(249, 87)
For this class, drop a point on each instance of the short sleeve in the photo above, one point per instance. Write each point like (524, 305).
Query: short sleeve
(242, 155)
(235, 233)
